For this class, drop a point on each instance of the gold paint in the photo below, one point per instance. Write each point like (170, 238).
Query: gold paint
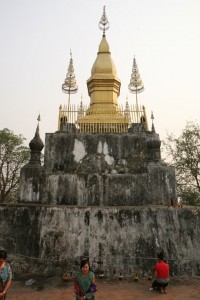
(104, 124)
(103, 115)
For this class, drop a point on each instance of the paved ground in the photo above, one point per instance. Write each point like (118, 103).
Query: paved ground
(126, 289)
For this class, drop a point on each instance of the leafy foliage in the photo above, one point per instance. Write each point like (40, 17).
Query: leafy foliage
(13, 156)
(184, 153)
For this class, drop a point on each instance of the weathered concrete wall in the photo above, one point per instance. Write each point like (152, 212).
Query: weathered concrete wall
(86, 169)
(156, 186)
(88, 153)
(33, 185)
(113, 237)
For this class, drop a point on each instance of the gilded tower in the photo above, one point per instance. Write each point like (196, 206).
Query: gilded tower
(104, 114)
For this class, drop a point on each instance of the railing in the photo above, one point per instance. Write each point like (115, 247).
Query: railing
(72, 114)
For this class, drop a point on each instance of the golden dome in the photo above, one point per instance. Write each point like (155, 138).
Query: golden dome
(104, 63)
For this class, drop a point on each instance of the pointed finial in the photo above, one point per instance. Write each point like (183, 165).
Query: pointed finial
(152, 126)
(136, 85)
(127, 105)
(127, 113)
(70, 86)
(36, 144)
(38, 118)
(80, 110)
(37, 128)
(81, 103)
(103, 23)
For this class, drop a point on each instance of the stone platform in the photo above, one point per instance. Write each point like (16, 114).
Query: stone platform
(100, 170)
(50, 238)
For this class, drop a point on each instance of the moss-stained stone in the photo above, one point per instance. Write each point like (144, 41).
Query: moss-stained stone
(101, 169)
(113, 237)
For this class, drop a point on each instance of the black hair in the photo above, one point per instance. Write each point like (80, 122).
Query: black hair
(161, 255)
(84, 261)
(3, 254)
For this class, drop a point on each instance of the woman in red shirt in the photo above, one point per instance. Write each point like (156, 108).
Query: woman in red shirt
(161, 274)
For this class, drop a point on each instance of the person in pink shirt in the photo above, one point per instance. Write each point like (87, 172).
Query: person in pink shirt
(161, 274)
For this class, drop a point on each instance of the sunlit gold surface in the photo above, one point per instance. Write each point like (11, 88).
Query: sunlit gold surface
(130, 114)
(103, 89)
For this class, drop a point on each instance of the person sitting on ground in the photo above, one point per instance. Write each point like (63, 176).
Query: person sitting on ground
(85, 284)
(5, 275)
(161, 274)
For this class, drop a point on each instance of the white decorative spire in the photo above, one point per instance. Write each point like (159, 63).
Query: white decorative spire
(70, 86)
(136, 85)
(103, 23)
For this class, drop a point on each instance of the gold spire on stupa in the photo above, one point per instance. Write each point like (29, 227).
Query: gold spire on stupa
(103, 114)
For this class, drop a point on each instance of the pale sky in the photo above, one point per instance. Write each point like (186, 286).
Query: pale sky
(36, 37)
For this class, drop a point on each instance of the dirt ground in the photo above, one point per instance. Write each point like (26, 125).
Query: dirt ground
(108, 289)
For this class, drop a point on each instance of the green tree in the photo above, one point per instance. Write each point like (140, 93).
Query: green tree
(13, 156)
(184, 154)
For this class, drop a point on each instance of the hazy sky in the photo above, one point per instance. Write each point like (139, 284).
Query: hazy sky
(36, 37)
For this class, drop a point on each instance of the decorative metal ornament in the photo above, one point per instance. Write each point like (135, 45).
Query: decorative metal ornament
(70, 86)
(136, 85)
(103, 23)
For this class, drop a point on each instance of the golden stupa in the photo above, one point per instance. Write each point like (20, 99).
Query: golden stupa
(103, 114)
